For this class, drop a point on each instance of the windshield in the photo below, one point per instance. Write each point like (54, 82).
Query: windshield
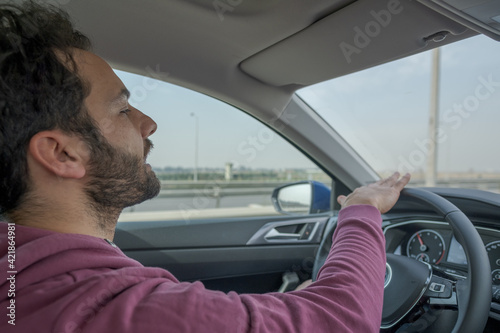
(384, 114)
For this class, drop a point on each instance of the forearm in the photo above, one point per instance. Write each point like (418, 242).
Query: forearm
(348, 295)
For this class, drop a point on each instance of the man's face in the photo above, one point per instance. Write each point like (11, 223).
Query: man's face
(118, 174)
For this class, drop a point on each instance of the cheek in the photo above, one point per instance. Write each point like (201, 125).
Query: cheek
(125, 137)
(120, 132)
(108, 127)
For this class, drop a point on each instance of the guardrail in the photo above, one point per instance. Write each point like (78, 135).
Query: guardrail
(485, 184)
(216, 190)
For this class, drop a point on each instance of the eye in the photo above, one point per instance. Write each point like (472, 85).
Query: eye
(126, 111)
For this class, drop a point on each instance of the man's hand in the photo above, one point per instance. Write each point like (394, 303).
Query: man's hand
(304, 284)
(382, 194)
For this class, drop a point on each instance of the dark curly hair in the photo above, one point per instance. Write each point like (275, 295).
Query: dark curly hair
(39, 89)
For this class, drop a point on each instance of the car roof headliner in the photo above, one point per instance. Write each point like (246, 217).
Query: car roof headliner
(252, 53)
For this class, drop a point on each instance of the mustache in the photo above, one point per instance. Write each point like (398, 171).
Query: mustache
(148, 146)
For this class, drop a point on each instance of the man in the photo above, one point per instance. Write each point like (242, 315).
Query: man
(73, 155)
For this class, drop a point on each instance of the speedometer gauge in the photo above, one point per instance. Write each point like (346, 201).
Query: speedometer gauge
(426, 245)
(493, 250)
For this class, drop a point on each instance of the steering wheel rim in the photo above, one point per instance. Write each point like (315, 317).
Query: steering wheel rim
(473, 310)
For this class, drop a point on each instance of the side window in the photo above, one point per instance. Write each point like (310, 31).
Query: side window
(213, 160)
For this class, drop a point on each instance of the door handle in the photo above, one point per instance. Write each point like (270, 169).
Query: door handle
(304, 231)
(275, 234)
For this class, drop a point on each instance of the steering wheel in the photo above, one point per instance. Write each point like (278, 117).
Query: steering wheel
(415, 294)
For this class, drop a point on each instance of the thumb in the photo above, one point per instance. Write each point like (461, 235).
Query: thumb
(341, 199)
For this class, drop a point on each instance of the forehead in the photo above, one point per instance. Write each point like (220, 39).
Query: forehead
(104, 84)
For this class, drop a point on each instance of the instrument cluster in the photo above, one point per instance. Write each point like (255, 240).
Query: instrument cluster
(434, 243)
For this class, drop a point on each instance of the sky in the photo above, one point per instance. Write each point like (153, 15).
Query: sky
(225, 134)
(382, 112)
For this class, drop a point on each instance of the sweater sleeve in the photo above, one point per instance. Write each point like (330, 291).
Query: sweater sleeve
(347, 297)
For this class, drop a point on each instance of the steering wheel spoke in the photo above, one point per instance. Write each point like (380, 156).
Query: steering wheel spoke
(444, 303)
(442, 292)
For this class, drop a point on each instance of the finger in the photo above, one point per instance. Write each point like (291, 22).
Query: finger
(391, 180)
(400, 184)
(304, 284)
(341, 199)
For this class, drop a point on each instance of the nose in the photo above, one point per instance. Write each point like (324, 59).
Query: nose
(147, 125)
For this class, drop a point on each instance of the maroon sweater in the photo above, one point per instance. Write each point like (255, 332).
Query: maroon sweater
(75, 283)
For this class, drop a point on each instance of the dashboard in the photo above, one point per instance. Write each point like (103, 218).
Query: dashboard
(434, 243)
(413, 229)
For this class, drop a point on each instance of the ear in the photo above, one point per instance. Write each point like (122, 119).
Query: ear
(59, 153)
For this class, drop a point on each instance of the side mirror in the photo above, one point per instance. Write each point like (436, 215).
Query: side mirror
(302, 198)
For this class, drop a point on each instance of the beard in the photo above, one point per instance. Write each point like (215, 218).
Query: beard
(119, 179)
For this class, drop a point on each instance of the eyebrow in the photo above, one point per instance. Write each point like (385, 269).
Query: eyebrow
(124, 93)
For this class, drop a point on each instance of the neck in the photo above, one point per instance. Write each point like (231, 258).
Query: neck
(71, 219)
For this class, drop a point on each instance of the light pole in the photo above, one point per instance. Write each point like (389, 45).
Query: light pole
(195, 175)
(431, 170)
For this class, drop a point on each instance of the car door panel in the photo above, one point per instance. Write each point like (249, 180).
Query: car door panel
(229, 254)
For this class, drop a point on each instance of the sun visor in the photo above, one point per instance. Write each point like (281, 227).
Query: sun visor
(361, 35)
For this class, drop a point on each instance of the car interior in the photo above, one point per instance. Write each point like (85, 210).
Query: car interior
(254, 55)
